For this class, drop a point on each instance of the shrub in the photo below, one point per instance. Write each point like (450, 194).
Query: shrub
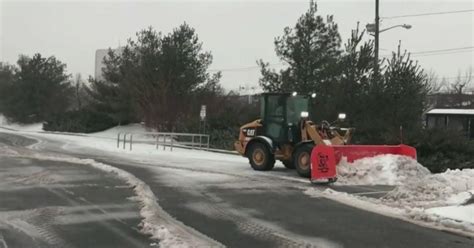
(79, 121)
(439, 150)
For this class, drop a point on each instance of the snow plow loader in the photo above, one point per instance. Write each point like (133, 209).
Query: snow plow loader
(286, 133)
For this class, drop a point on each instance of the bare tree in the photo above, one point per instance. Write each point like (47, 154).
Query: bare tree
(435, 84)
(462, 82)
(458, 90)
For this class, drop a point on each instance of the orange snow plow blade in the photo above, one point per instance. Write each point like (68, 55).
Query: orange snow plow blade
(325, 158)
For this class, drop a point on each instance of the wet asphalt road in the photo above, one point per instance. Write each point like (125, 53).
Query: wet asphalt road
(256, 212)
(56, 204)
(280, 215)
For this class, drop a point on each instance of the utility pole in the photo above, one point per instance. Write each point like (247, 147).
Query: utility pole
(377, 19)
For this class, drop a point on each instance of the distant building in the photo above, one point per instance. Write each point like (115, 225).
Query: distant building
(451, 100)
(461, 120)
(100, 54)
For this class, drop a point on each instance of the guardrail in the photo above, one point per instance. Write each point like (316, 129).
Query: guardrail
(165, 139)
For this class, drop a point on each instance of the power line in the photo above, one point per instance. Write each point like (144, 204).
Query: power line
(428, 14)
(443, 53)
(439, 51)
(456, 77)
(421, 53)
(444, 50)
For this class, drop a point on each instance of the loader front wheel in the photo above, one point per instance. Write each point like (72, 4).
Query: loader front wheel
(302, 160)
(260, 157)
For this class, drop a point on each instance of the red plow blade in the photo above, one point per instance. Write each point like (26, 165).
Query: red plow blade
(325, 158)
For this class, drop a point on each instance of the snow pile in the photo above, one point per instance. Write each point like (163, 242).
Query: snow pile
(455, 224)
(444, 200)
(452, 187)
(447, 195)
(382, 170)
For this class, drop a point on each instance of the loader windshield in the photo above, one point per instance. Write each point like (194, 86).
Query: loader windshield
(295, 106)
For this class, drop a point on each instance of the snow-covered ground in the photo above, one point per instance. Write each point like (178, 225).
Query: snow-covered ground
(444, 199)
(437, 200)
(156, 222)
(25, 128)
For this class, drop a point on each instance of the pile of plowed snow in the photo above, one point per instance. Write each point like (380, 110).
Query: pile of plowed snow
(453, 187)
(447, 195)
(383, 170)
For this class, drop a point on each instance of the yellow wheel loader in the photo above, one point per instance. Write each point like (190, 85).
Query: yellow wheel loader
(284, 132)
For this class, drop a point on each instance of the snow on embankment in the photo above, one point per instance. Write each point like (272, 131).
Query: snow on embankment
(134, 128)
(139, 130)
(36, 127)
(156, 222)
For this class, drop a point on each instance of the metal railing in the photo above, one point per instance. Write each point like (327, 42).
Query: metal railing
(165, 139)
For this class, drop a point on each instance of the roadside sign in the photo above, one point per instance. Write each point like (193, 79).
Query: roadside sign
(203, 112)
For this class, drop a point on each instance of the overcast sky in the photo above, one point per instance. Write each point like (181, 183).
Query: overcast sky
(236, 32)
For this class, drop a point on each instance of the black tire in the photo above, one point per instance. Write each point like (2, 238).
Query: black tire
(302, 160)
(260, 157)
(288, 164)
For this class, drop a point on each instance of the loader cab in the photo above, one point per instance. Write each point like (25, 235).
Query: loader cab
(281, 113)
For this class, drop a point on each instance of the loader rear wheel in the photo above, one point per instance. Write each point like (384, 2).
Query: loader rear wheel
(288, 164)
(302, 160)
(260, 157)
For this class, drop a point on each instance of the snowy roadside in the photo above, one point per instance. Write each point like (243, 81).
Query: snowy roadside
(156, 222)
(441, 201)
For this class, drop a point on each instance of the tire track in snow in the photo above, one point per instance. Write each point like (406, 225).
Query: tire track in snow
(36, 224)
(90, 212)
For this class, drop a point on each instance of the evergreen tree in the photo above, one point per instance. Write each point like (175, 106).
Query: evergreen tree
(310, 50)
(39, 90)
(348, 91)
(155, 77)
(7, 78)
(404, 90)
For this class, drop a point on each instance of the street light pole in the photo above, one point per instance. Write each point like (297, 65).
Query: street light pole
(376, 65)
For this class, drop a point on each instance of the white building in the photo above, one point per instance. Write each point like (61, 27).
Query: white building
(100, 54)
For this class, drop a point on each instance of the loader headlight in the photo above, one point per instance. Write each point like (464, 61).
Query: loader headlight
(304, 114)
(341, 116)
